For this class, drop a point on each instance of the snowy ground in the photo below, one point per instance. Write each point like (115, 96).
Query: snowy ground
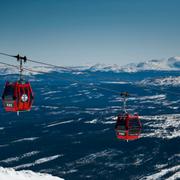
(70, 131)
(11, 174)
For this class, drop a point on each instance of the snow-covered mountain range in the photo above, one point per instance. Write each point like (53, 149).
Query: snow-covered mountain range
(171, 64)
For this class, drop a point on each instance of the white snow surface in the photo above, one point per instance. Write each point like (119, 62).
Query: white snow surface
(159, 175)
(11, 174)
(25, 139)
(59, 123)
(167, 81)
(162, 126)
(16, 158)
(38, 161)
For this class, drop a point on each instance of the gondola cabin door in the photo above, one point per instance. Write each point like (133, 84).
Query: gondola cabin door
(25, 97)
(9, 97)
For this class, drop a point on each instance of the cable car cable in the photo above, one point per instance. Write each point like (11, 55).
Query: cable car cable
(71, 80)
(42, 63)
(48, 64)
(76, 81)
(107, 89)
(6, 64)
(67, 68)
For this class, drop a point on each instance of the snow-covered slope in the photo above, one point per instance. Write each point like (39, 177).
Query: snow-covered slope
(11, 174)
(168, 81)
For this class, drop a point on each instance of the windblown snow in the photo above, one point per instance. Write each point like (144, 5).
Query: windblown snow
(11, 174)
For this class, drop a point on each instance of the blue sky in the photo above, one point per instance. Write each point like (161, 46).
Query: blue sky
(76, 32)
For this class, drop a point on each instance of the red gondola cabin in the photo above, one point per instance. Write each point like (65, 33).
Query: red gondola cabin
(17, 96)
(128, 127)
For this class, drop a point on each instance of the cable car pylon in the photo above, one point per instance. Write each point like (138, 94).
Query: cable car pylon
(128, 127)
(21, 60)
(124, 95)
(18, 96)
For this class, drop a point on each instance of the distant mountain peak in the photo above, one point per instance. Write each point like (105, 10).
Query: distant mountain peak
(172, 63)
